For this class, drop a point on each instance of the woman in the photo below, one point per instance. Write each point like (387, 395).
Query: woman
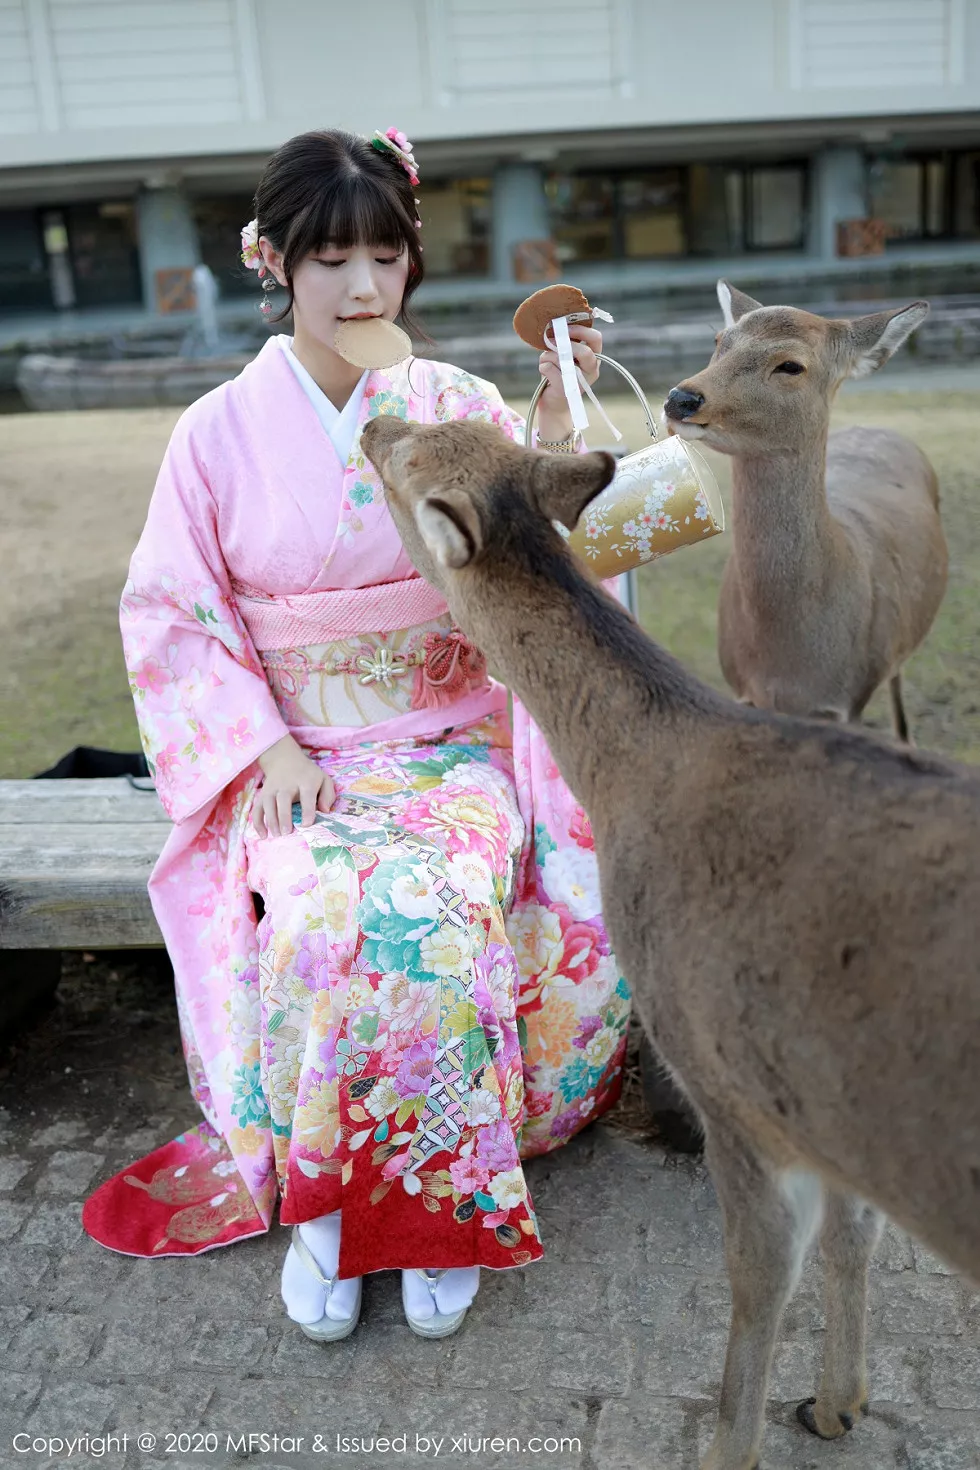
(392, 977)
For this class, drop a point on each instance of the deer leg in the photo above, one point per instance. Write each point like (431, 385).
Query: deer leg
(900, 722)
(769, 1221)
(851, 1231)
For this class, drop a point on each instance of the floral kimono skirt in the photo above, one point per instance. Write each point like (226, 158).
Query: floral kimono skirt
(428, 997)
(389, 1057)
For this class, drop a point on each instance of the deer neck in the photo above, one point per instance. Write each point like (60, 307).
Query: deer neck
(783, 533)
(594, 684)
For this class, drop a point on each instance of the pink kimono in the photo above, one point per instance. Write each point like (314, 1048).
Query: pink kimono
(388, 1010)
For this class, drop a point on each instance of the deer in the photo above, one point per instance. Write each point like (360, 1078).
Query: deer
(796, 905)
(838, 562)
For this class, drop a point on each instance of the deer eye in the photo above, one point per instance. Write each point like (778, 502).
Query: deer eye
(792, 368)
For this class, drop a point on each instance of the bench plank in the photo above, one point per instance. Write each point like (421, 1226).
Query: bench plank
(28, 847)
(99, 800)
(82, 810)
(46, 912)
(75, 856)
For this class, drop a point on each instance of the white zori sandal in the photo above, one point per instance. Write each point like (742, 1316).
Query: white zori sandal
(326, 1330)
(438, 1324)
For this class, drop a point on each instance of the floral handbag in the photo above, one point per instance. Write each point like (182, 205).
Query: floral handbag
(661, 497)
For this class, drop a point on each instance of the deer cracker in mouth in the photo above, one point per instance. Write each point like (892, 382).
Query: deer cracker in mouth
(372, 342)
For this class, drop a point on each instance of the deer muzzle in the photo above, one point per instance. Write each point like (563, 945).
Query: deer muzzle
(681, 403)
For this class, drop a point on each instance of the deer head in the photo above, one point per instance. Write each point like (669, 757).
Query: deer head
(775, 370)
(454, 489)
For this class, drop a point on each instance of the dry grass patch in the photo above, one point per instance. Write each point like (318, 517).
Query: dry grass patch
(75, 487)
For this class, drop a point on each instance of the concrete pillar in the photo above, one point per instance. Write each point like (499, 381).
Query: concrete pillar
(520, 212)
(838, 190)
(167, 235)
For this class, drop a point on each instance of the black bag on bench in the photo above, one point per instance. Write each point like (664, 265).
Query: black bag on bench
(85, 762)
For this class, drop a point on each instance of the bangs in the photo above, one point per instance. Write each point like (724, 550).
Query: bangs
(357, 210)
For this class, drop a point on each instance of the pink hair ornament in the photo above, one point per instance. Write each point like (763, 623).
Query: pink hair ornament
(397, 145)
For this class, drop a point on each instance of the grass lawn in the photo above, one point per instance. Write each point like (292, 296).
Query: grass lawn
(75, 488)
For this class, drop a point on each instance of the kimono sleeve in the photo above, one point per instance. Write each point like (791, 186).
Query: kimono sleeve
(455, 394)
(487, 403)
(500, 414)
(204, 707)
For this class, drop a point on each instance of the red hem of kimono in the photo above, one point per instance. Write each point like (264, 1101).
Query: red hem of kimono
(125, 1218)
(398, 1233)
(130, 1213)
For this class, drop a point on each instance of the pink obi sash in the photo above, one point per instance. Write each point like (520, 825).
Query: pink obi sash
(367, 659)
(328, 617)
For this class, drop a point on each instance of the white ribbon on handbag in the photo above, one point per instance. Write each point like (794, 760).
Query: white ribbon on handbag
(572, 378)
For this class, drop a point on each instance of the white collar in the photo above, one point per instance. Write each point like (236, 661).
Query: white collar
(339, 423)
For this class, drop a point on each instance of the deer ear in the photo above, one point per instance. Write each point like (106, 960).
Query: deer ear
(563, 484)
(872, 339)
(450, 527)
(734, 303)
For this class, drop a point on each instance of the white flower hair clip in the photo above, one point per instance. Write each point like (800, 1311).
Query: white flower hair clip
(395, 143)
(251, 255)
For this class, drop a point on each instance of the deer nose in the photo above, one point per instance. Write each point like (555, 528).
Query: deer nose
(680, 403)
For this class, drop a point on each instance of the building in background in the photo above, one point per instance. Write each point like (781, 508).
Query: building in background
(648, 144)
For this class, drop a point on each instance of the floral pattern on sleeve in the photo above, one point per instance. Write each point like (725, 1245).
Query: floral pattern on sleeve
(204, 707)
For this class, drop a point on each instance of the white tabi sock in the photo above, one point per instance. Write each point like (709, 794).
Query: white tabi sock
(305, 1299)
(454, 1291)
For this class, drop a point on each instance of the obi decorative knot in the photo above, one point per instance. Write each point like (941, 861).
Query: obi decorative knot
(446, 666)
(370, 678)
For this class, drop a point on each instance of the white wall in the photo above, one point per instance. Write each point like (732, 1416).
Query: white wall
(87, 80)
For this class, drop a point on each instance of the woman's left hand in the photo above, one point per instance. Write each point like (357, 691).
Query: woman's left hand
(554, 418)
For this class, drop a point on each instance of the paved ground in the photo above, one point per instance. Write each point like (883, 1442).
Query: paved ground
(614, 1341)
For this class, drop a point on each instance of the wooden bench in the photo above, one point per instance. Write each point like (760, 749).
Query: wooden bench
(75, 857)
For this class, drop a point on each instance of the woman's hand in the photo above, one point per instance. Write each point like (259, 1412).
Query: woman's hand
(554, 418)
(289, 776)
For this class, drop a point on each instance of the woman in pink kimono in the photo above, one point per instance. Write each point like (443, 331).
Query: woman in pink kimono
(392, 975)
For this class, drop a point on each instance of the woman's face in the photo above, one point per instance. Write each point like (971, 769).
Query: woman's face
(332, 286)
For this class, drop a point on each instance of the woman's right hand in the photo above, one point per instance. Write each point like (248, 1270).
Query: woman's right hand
(289, 776)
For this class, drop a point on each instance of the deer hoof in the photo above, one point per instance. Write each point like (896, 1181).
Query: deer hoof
(806, 1416)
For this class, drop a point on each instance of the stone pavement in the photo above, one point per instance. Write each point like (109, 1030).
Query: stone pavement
(614, 1342)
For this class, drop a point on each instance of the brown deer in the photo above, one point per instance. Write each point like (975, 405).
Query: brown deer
(838, 563)
(796, 904)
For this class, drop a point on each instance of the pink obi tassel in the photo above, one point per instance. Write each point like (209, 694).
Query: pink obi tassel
(451, 667)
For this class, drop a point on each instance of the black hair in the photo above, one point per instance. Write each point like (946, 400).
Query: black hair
(332, 187)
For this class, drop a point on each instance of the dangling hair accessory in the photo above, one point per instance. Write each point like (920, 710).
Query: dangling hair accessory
(400, 149)
(252, 260)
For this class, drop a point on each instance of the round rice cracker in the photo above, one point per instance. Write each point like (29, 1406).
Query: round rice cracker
(539, 311)
(372, 342)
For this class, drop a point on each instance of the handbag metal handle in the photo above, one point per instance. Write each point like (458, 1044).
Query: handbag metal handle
(611, 361)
